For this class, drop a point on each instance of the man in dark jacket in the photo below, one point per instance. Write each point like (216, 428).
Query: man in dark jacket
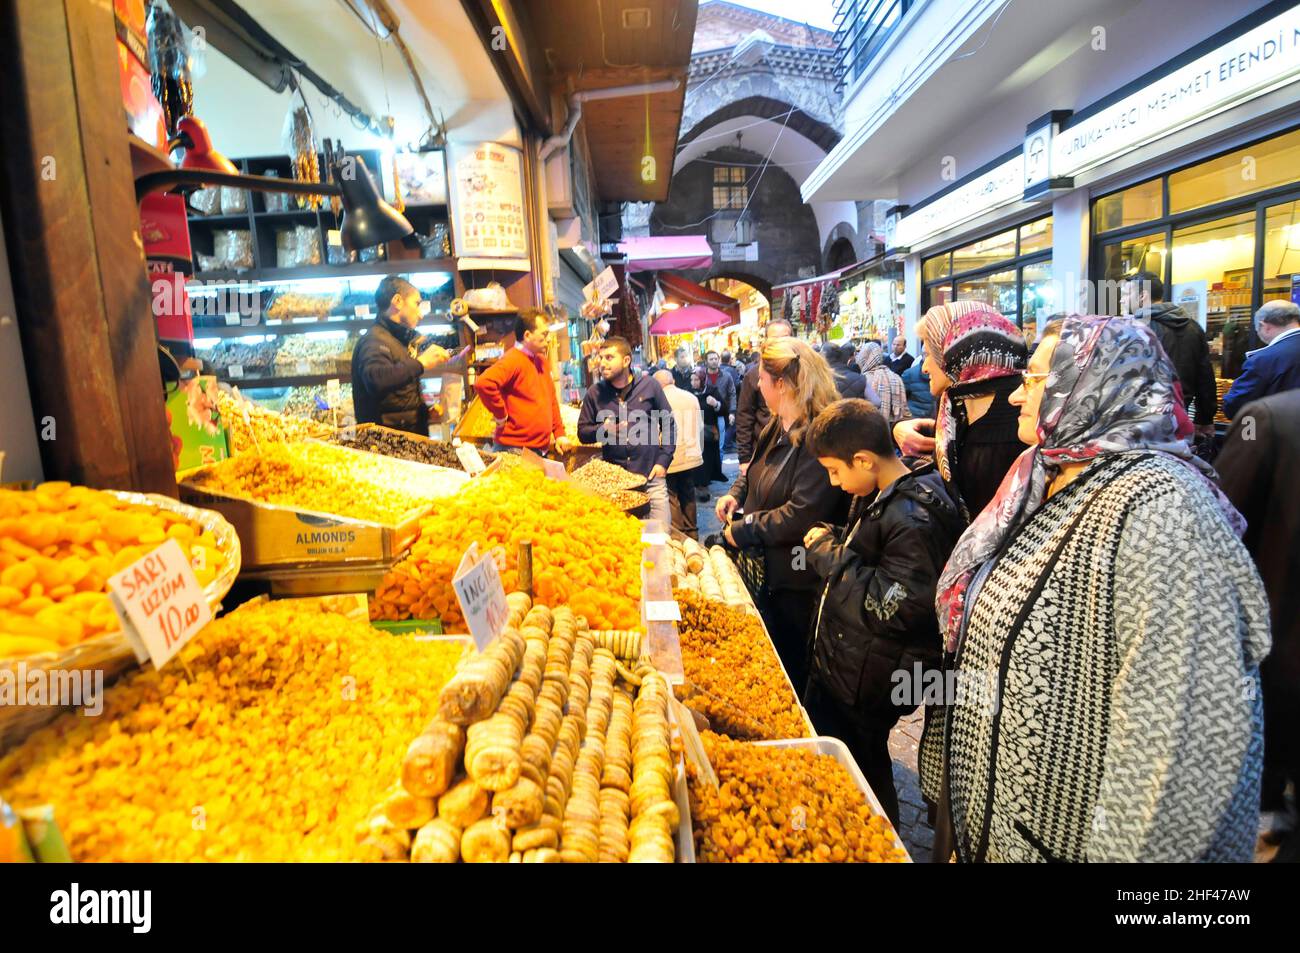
(715, 375)
(848, 379)
(737, 372)
(631, 419)
(1257, 469)
(901, 360)
(752, 413)
(1183, 340)
(1275, 367)
(387, 363)
(875, 634)
(682, 368)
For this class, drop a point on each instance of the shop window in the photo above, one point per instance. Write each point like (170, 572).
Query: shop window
(1256, 168)
(1036, 236)
(1281, 251)
(1037, 296)
(985, 252)
(1141, 203)
(939, 294)
(938, 267)
(1213, 264)
(997, 290)
(729, 187)
(1144, 253)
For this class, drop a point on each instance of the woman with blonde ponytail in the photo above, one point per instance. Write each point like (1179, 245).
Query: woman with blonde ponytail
(783, 494)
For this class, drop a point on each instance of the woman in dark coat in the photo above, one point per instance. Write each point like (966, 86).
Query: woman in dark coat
(974, 357)
(783, 494)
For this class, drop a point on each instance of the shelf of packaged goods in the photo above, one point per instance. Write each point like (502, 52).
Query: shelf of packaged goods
(220, 221)
(267, 383)
(352, 270)
(304, 327)
(289, 215)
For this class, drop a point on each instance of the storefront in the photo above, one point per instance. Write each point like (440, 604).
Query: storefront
(1222, 234)
(1010, 271)
(872, 301)
(1191, 171)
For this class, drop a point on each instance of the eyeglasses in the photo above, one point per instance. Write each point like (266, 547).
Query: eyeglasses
(1029, 378)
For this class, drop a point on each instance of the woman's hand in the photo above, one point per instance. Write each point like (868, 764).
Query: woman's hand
(915, 437)
(725, 507)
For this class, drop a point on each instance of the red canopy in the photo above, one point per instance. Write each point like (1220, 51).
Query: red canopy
(660, 252)
(695, 317)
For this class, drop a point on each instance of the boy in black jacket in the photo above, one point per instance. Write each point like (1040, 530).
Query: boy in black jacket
(875, 619)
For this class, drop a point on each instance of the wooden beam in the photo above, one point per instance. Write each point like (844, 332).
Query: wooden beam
(522, 88)
(73, 229)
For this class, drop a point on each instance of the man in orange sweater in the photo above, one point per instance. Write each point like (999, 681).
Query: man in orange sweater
(519, 393)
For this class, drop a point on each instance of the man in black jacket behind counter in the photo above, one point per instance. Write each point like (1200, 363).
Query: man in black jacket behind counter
(387, 364)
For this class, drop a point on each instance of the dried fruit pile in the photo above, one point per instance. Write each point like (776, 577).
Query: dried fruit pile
(274, 750)
(261, 427)
(59, 544)
(586, 554)
(784, 805)
(321, 478)
(734, 676)
(394, 443)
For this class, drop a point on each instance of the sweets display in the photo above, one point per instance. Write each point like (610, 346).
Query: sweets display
(541, 753)
(301, 354)
(269, 740)
(291, 304)
(249, 425)
(314, 475)
(709, 572)
(783, 805)
(404, 446)
(586, 554)
(60, 543)
(311, 401)
(734, 676)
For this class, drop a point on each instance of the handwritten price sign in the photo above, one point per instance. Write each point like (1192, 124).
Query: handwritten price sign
(481, 595)
(160, 603)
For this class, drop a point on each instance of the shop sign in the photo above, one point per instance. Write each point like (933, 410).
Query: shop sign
(731, 251)
(487, 207)
(1244, 68)
(160, 603)
(481, 596)
(1003, 184)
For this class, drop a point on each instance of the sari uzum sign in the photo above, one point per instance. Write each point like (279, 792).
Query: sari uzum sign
(159, 602)
(481, 596)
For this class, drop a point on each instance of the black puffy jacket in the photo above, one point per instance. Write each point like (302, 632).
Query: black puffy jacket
(1189, 351)
(386, 379)
(876, 614)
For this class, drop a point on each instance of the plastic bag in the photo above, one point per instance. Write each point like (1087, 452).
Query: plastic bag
(233, 201)
(299, 140)
(169, 63)
(206, 201)
(234, 248)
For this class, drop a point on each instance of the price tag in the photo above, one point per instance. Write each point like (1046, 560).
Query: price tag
(273, 322)
(663, 611)
(304, 367)
(232, 320)
(470, 459)
(235, 370)
(334, 236)
(307, 320)
(362, 311)
(481, 596)
(654, 539)
(159, 603)
(554, 469)
(333, 391)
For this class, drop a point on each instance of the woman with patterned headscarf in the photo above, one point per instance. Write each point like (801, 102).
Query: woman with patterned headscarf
(974, 357)
(1108, 626)
(887, 385)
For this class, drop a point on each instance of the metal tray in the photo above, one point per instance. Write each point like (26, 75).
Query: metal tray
(840, 752)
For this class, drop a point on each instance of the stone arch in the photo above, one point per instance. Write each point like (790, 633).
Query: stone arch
(840, 254)
(761, 285)
(762, 107)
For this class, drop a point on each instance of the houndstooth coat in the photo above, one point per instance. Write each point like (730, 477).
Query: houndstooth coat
(1125, 644)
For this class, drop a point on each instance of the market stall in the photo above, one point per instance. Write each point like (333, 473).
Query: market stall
(599, 723)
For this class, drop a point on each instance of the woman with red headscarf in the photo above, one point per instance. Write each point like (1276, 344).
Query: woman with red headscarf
(974, 357)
